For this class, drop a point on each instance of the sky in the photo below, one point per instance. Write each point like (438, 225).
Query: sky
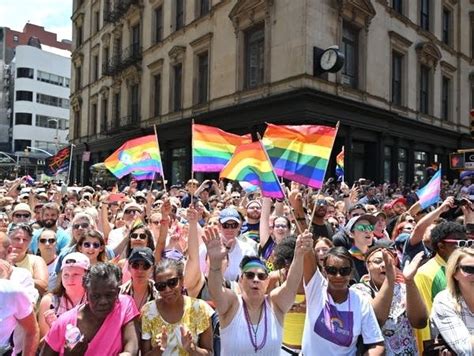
(53, 15)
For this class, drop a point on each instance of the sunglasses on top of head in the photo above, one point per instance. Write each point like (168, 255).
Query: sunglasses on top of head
(171, 283)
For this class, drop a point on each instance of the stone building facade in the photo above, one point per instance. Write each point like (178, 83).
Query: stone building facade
(402, 97)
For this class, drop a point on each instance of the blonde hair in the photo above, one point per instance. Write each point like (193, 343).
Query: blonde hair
(452, 267)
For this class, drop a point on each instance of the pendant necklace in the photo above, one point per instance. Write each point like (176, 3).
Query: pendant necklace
(253, 331)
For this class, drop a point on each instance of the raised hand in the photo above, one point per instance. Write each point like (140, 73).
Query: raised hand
(390, 270)
(187, 339)
(215, 248)
(411, 268)
(304, 243)
(166, 208)
(162, 340)
(191, 214)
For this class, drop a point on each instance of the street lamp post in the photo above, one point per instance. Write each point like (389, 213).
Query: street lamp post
(39, 149)
(17, 167)
(57, 132)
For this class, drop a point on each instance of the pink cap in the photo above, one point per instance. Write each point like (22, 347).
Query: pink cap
(76, 259)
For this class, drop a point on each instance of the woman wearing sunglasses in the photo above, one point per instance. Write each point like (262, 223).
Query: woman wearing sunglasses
(251, 323)
(140, 267)
(452, 315)
(396, 300)
(175, 324)
(47, 251)
(68, 293)
(92, 244)
(361, 233)
(338, 315)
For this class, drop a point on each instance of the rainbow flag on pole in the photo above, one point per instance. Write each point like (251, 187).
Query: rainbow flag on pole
(340, 163)
(430, 193)
(250, 163)
(213, 147)
(140, 154)
(300, 153)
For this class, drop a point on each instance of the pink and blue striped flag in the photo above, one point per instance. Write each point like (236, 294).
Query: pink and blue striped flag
(430, 193)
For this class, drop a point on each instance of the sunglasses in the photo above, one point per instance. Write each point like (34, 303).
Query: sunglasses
(230, 225)
(281, 226)
(467, 269)
(83, 225)
(171, 283)
(49, 241)
(141, 201)
(144, 266)
(156, 222)
(460, 243)
(94, 245)
(260, 275)
(321, 202)
(136, 236)
(22, 216)
(363, 228)
(334, 271)
(411, 221)
(131, 212)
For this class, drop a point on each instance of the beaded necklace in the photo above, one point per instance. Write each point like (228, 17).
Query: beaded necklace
(253, 331)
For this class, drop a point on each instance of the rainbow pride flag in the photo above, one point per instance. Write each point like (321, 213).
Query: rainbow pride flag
(430, 193)
(250, 164)
(300, 153)
(139, 175)
(213, 147)
(140, 154)
(340, 163)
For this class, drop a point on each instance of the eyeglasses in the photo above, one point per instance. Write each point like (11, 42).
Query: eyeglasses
(48, 241)
(144, 266)
(83, 225)
(260, 275)
(467, 269)
(94, 245)
(460, 243)
(26, 216)
(171, 283)
(141, 201)
(131, 211)
(364, 228)
(136, 236)
(280, 226)
(230, 225)
(334, 271)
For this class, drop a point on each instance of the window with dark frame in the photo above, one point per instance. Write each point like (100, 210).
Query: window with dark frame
(97, 21)
(23, 95)
(78, 78)
(93, 128)
(77, 124)
(446, 26)
(350, 48)
(158, 24)
(104, 119)
(23, 118)
(179, 20)
(95, 71)
(22, 72)
(157, 95)
(445, 95)
(424, 89)
(79, 35)
(203, 77)
(397, 5)
(135, 39)
(178, 77)
(21, 145)
(254, 56)
(203, 7)
(425, 14)
(116, 109)
(135, 103)
(397, 67)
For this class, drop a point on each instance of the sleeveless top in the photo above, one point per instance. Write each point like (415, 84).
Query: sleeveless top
(26, 263)
(235, 337)
(293, 324)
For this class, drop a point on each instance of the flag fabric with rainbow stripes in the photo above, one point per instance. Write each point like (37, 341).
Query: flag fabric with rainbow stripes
(213, 147)
(300, 153)
(138, 175)
(430, 193)
(340, 163)
(140, 154)
(251, 164)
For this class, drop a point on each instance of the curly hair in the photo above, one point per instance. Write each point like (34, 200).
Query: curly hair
(444, 230)
(104, 272)
(284, 252)
(167, 263)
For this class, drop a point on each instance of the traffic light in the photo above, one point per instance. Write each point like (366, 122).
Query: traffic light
(472, 123)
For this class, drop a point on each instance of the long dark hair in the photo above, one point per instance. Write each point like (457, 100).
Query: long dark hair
(150, 243)
(339, 252)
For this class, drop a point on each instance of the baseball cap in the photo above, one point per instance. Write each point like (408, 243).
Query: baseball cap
(229, 214)
(76, 259)
(22, 207)
(398, 200)
(350, 224)
(172, 254)
(132, 206)
(142, 254)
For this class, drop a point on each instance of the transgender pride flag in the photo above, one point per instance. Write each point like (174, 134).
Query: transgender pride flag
(429, 194)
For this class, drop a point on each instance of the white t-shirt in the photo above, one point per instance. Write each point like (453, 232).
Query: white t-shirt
(362, 313)
(236, 254)
(52, 275)
(115, 237)
(14, 305)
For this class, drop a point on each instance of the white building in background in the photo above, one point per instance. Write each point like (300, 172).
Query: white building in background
(41, 92)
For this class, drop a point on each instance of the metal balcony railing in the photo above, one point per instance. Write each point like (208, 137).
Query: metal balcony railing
(119, 62)
(118, 10)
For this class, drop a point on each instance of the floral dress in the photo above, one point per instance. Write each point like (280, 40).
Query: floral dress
(398, 334)
(196, 318)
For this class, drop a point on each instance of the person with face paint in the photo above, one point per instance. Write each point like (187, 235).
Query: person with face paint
(102, 326)
(49, 218)
(337, 315)
(396, 301)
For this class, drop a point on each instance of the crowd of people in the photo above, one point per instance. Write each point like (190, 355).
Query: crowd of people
(205, 269)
